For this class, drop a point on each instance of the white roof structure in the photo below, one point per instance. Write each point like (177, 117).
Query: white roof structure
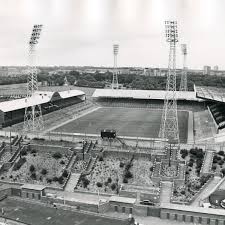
(122, 199)
(40, 97)
(142, 94)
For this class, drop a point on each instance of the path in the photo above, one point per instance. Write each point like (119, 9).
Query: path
(72, 183)
(165, 191)
(207, 162)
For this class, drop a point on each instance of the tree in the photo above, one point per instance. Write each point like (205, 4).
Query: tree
(32, 168)
(65, 173)
(44, 171)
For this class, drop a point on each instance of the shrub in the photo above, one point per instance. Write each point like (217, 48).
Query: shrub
(99, 184)
(32, 168)
(85, 182)
(121, 164)
(49, 180)
(223, 171)
(128, 174)
(33, 151)
(100, 158)
(55, 179)
(18, 164)
(60, 180)
(125, 180)
(57, 155)
(184, 151)
(182, 192)
(221, 162)
(23, 152)
(214, 167)
(33, 176)
(106, 183)
(109, 180)
(151, 168)
(62, 162)
(65, 173)
(44, 171)
(221, 153)
(190, 164)
(113, 186)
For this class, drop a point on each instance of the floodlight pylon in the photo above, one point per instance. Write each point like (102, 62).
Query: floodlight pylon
(115, 84)
(183, 81)
(33, 120)
(169, 122)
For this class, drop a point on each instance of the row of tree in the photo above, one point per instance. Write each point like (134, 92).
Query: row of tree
(99, 80)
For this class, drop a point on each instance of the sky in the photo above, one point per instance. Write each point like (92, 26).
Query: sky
(82, 32)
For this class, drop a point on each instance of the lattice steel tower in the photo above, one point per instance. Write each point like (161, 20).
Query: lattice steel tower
(33, 120)
(183, 81)
(169, 122)
(115, 84)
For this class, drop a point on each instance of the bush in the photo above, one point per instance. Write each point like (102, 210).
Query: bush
(151, 168)
(18, 164)
(100, 158)
(113, 186)
(223, 171)
(221, 162)
(182, 192)
(32, 168)
(122, 164)
(33, 176)
(190, 164)
(44, 171)
(109, 180)
(99, 184)
(125, 180)
(65, 173)
(33, 151)
(55, 179)
(62, 162)
(221, 153)
(60, 180)
(128, 174)
(57, 155)
(214, 167)
(49, 180)
(85, 182)
(23, 152)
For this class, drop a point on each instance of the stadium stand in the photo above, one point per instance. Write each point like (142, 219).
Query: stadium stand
(218, 113)
(210, 93)
(12, 112)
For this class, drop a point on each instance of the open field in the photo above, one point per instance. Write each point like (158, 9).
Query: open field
(126, 121)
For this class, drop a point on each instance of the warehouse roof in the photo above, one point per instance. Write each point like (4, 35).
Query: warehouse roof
(40, 97)
(142, 94)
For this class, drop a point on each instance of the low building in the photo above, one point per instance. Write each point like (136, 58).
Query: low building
(12, 112)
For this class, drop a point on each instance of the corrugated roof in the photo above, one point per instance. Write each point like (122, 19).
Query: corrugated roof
(143, 94)
(40, 97)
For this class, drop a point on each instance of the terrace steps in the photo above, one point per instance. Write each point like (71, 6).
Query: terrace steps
(72, 183)
(165, 192)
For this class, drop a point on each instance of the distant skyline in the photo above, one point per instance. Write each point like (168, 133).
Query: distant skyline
(82, 32)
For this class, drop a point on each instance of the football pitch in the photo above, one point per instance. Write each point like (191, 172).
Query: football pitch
(130, 122)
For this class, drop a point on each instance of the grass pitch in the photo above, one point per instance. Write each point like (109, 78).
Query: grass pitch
(126, 121)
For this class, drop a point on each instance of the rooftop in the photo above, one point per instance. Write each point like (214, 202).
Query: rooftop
(40, 97)
(142, 94)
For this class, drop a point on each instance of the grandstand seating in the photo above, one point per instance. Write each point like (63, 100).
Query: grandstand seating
(218, 113)
(150, 103)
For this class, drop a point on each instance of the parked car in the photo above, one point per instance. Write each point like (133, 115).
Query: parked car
(147, 202)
